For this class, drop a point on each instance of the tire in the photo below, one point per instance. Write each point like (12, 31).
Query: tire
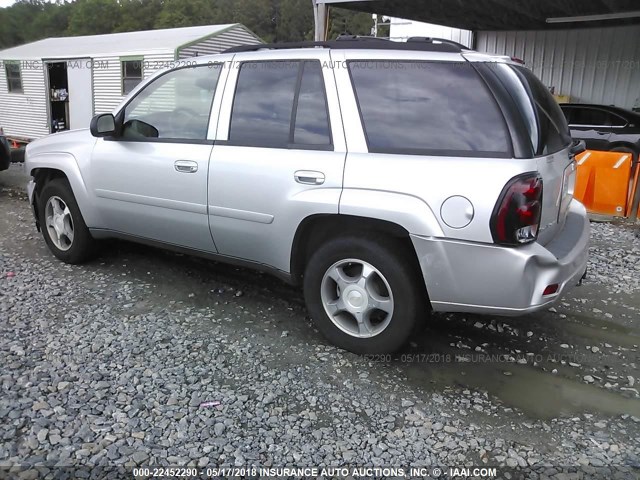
(62, 225)
(391, 274)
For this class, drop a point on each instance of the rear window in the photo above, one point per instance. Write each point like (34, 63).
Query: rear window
(428, 108)
(552, 132)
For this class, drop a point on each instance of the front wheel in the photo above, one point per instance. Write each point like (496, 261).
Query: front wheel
(63, 227)
(365, 295)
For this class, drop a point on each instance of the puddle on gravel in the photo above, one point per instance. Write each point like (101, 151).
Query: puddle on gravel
(538, 394)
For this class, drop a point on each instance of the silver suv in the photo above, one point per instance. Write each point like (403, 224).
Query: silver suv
(386, 179)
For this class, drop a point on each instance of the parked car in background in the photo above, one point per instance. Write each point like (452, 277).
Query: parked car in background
(384, 178)
(604, 127)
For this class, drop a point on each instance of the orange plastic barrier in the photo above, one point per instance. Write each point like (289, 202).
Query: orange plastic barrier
(603, 182)
(634, 195)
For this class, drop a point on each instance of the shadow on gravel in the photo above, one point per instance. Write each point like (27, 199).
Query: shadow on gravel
(519, 361)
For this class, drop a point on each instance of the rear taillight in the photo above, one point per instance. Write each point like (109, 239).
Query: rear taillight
(516, 217)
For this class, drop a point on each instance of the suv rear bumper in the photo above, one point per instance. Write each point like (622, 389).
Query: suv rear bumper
(483, 278)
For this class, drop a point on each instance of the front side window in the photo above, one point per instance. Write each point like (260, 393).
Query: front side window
(176, 105)
(131, 75)
(280, 104)
(428, 108)
(14, 77)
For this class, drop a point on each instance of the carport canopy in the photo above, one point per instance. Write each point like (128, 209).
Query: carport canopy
(495, 14)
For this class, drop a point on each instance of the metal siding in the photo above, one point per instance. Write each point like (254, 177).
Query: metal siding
(596, 65)
(231, 38)
(24, 114)
(107, 78)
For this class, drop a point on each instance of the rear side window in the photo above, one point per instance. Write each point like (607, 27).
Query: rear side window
(280, 104)
(552, 129)
(428, 108)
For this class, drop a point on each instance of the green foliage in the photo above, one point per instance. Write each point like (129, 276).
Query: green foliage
(343, 21)
(272, 20)
(93, 17)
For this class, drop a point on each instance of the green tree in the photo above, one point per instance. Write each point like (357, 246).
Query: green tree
(52, 20)
(94, 17)
(271, 20)
(138, 15)
(343, 21)
(295, 21)
(185, 13)
(18, 26)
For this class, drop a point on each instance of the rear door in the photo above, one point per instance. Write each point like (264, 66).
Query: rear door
(279, 154)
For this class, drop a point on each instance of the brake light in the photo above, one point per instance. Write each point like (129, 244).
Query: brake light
(516, 216)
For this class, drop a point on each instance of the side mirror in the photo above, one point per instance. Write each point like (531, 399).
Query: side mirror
(578, 147)
(103, 125)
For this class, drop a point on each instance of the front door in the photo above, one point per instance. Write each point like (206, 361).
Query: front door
(281, 158)
(150, 181)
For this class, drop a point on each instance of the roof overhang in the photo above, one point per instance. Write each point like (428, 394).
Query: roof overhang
(504, 14)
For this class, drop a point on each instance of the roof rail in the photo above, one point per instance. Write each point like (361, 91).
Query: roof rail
(275, 46)
(347, 36)
(436, 40)
(357, 42)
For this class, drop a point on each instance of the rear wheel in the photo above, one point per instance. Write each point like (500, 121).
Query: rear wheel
(365, 295)
(63, 227)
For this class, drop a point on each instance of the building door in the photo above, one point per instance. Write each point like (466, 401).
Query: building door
(80, 93)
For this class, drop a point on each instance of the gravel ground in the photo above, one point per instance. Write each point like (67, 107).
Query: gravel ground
(147, 358)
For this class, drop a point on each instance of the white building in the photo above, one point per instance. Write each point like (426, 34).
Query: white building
(60, 83)
(401, 30)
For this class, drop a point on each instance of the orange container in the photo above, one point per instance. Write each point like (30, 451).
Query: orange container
(603, 182)
(634, 194)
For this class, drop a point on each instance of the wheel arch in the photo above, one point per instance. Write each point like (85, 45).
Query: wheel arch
(47, 167)
(317, 229)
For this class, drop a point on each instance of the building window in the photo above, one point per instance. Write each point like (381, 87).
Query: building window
(14, 77)
(131, 75)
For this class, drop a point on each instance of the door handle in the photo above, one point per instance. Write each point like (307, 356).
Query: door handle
(307, 177)
(186, 166)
